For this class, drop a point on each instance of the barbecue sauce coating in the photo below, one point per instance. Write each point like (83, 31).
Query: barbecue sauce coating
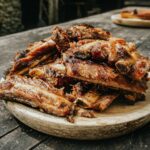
(76, 71)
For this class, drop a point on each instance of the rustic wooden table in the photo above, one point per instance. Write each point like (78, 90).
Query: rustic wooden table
(14, 135)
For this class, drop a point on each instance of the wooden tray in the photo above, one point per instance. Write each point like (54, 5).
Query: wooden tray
(135, 22)
(119, 119)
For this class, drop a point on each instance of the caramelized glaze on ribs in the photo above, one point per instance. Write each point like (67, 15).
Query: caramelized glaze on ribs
(36, 93)
(92, 98)
(75, 33)
(90, 72)
(83, 31)
(115, 52)
(76, 71)
(35, 54)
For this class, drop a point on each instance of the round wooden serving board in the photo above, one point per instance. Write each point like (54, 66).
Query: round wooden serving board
(119, 119)
(135, 22)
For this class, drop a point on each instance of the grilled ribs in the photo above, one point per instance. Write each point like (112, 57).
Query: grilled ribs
(36, 93)
(75, 33)
(40, 94)
(117, 53)
(76, 71)
(84, 31)
(89, 72)
(92, 98)
(36, 53)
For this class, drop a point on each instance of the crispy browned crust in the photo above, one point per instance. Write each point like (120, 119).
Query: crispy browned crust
(61, 39)
(84, 31)
(75, 72)
(102, 74)
(92, 98)
(117, 53)
(35, 54)
(90, 72)
(36, 93)
(75, 33)
(54, 73)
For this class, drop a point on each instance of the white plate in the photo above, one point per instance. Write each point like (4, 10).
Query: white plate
(135, 22)
(119, 119)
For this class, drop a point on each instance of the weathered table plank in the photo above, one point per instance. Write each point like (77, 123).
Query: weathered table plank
(9, 45)
(22, 138)
(133, 141)
(145, 47)
(7, 122)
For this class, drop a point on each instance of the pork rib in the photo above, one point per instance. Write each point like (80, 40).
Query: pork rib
(75, 72)
(35, 54)
(93, 98)
(63, 38)
(115, 52)
(84, 31)
(92, 73)
(36, 93)
(100, 74)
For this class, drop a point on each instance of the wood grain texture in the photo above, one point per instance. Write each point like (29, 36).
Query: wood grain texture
(7, 122)
(21, 138)
(10, 44)
(132, 141)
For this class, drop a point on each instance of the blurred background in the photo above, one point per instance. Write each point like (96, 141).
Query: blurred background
(20, 15)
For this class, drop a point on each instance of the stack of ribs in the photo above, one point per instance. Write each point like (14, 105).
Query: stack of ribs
(79, 70)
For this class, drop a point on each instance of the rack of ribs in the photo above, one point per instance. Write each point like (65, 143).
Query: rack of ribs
(76, 71)
(89, 72)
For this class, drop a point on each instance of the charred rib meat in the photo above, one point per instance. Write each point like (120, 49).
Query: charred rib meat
(89, 72)
(84, 31)
(36, 93)
(35, 54)
(77, 71)
(117, 53)
(75, 33)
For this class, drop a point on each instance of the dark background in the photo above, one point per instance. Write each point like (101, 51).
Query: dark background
(19, 15)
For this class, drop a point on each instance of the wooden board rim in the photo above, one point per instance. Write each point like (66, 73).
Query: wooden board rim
(96, 128)
(117, 19)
